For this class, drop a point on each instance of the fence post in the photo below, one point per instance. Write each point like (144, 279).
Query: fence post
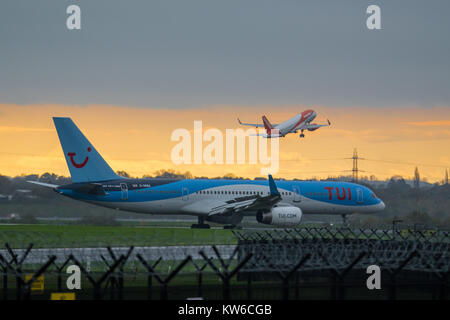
(393, 275)
(5, 281)
(149, 273)
(119, 283)
(285, 278)
(19, 279)
(164, 282)
(199, 277)
(338, 288)
(97, 283)
(225, 275)
(18, 263)
(59, 270)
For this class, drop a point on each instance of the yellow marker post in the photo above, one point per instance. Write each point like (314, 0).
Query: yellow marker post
(37, 287)
(62, 296)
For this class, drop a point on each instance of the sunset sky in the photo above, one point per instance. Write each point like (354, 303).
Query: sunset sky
(138, 140)
(137, 70)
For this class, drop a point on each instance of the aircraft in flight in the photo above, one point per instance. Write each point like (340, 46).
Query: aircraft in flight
(217, 200)
(301, 121)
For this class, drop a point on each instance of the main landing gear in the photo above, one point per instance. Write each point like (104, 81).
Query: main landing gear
(302, 135)
(200, 224)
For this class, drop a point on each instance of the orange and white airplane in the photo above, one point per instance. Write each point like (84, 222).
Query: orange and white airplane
(301, 121)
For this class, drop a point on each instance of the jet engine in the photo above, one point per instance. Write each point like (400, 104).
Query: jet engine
(280, 216)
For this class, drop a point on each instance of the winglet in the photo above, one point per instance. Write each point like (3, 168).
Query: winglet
(239, 121)
(273, 187)
(329, 123)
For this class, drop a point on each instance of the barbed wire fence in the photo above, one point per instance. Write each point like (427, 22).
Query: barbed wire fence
(326, 263)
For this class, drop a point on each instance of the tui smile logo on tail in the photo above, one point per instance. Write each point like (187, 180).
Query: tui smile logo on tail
(78, 165)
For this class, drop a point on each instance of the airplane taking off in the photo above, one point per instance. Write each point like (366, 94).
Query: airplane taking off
(301, 121)
(217, 200)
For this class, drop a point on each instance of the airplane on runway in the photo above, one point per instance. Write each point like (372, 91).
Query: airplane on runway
(301, 121)
(217, 200)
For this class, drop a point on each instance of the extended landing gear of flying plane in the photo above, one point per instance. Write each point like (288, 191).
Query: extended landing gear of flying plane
(200, 224)
(302, 135)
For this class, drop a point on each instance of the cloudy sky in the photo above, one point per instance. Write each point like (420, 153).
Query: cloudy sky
(166, 63)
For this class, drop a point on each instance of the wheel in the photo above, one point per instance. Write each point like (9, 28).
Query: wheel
(302, 135)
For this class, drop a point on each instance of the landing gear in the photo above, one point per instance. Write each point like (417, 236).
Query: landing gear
(344, 219)
(302, 135)
(200, 224)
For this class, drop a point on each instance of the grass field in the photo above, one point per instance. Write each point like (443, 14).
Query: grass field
(63, 236)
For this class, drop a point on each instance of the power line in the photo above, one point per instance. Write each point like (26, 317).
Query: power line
(409, 163)
(375, 160)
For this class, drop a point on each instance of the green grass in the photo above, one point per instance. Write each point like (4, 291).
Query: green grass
(54, 236)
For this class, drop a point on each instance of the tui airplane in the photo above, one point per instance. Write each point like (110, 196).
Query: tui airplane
(221, 201)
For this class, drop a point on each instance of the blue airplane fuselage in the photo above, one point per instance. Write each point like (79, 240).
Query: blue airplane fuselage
(172, 196)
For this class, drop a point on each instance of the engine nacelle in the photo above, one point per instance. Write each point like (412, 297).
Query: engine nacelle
(281, 216)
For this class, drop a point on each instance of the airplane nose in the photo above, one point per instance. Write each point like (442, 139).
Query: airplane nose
(381, 205)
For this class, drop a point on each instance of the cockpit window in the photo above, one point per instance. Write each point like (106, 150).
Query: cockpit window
(373, 195)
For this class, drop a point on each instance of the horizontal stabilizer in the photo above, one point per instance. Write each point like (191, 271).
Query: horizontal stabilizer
(256, 125)
(48, 185)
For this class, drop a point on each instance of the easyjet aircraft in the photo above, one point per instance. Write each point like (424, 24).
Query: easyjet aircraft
(301, 121)
(217, 200)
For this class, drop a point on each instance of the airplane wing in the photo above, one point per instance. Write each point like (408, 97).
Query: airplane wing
(314, 126)
(265, 135)
(256, 125)
(236, 205)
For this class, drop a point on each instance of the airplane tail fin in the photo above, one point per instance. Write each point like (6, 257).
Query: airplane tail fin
(84, 162)
(273, 187)
(267, 124)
